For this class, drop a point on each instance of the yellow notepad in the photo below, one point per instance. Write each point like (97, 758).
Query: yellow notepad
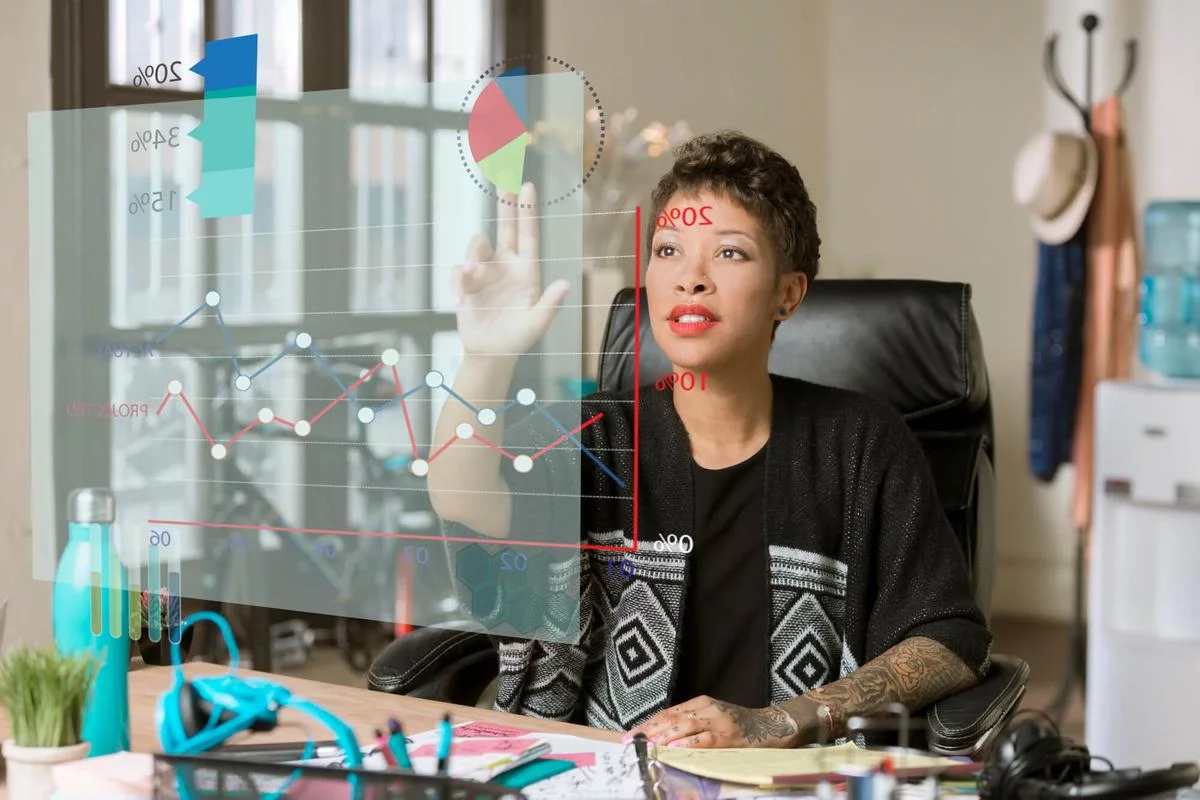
(806, 765)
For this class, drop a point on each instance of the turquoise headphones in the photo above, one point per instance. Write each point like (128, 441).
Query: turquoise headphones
(198, 715)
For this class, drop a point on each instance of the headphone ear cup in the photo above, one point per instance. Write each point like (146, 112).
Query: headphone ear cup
(189, 710)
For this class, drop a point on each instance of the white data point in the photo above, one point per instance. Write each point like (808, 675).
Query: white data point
(174, 387)
(242, 383)
(303, 341)
(522, 463)
(526, 397)
(212, 299)
(218, 451)
(390, 357)
(464, 430)
(434, 379)
(266, 415)
(486, 416)
(366, 415)
(420, 467)
(303, 428)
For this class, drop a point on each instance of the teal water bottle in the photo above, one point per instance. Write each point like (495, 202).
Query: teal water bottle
(91, 614)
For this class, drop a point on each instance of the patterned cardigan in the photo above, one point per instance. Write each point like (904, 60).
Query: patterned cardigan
(860, 552)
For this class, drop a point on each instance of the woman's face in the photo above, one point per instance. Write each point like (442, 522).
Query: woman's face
(713, 286)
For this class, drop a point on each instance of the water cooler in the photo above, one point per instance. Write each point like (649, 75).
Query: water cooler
(1143, 689)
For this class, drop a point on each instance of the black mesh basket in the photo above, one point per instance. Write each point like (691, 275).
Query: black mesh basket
(206, 778)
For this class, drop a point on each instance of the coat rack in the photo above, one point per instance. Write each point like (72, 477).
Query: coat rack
(1076, 671)
(1089, 23)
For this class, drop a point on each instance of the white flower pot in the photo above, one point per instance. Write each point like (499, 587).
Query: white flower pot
(30, 769)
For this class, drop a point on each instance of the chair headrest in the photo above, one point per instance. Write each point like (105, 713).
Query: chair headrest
(912, 343)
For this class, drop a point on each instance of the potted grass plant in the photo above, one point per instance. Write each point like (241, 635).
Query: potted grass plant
(43, 693)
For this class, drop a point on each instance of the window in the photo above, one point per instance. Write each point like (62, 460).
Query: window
(272, 272)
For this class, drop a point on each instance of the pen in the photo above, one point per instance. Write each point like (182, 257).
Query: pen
(398, 745)
(385, 748)
(509, 763)
(444, 746)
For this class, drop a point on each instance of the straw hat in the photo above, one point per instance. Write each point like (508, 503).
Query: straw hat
(1054, 180)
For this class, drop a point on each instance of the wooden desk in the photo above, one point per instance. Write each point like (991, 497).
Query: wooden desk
(361, 709)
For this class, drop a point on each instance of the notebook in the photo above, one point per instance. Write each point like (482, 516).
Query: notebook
(801, 766)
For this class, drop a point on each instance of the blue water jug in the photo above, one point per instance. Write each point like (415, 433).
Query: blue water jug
(91, 614)
(1170, 310)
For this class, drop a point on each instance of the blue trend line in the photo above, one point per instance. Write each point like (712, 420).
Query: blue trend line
(505, 407)
(578, 444)
(270, 363)
(181, 323)
(228, 339)
(460, 398)
(328, 368)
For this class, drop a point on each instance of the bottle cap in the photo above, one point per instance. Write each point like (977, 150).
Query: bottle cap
(92, 505)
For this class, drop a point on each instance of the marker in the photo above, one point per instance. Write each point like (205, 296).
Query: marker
(444, 746)
(398, 745)
(385, 748)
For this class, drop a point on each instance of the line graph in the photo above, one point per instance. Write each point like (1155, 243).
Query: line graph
(388, 362)
(433, 380)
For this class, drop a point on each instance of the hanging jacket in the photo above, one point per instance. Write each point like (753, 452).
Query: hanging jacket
(1057, 354)
(1114, 271)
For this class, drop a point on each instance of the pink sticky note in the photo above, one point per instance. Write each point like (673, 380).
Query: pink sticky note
(476, 747)
(578, 759)
(485, 730)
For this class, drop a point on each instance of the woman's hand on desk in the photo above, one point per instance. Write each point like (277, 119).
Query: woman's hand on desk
(708, 722)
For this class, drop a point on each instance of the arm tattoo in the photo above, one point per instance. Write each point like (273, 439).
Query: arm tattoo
(759, 725)
(915, 673)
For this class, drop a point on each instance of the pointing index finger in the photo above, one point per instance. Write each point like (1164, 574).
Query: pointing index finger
(506, 222)
(527, 223)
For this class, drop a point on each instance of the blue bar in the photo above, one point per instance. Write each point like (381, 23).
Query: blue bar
(174, 593)
(229, 63)
(154, 587)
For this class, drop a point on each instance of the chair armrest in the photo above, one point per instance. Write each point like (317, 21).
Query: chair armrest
(966, 723)
(451, 666)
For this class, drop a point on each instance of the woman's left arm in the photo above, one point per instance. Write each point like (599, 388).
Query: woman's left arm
(916, 672)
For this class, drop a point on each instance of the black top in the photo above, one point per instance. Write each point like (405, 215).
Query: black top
(726, 619)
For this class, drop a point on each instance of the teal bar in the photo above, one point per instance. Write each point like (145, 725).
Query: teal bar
(154, 587)
(249, 90)
(227, 134)
(105, 570)
(225, 194)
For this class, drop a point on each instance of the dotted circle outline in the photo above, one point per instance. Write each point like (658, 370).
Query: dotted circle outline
(470, 96)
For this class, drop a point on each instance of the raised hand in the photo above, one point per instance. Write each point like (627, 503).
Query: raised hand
(502, 308)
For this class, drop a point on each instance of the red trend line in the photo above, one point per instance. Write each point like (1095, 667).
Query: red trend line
(495, 447)
(442, 449)
(195, 416)
(637, 351)
(565, 436)
(427, 537)
(342, 396)
(404, 408)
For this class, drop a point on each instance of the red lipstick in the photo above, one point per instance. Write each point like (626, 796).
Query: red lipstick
(691, 319)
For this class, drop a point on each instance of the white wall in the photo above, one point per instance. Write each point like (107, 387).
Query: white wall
(756, 66)
(929, 100)
(25, 60)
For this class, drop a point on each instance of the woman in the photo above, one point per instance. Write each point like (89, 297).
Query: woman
(824, 581)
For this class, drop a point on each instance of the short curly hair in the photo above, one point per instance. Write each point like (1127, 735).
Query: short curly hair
(763, 182)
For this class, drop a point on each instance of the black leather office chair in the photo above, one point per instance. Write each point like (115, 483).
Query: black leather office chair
(912, 343)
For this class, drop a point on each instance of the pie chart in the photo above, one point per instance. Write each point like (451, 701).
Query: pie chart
(535, 119)
(498, 130)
